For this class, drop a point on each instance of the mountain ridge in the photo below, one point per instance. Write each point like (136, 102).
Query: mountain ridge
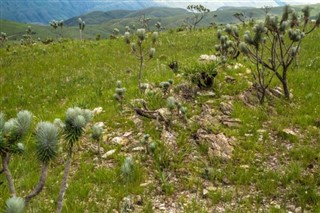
(45, 11)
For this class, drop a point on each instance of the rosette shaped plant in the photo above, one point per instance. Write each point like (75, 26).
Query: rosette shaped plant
(14, 205)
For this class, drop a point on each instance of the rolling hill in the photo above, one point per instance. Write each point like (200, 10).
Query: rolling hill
(44, 11)
(31, 11)
(103, 23)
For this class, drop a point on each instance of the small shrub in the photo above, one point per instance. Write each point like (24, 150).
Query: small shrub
(202, 74)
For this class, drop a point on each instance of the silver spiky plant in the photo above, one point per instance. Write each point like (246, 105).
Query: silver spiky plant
(97, 132)
(127, 168)
(11, 136)
(75, 123)
(47, 137)
(138, 50)
(14, 205)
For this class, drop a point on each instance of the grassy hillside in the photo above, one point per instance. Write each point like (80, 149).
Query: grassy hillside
(268, 160)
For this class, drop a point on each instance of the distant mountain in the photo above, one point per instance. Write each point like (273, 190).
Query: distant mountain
(215, 4)
(43, 11)
(155, 13)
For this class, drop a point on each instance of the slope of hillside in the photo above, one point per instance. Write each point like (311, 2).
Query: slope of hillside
(224, 153)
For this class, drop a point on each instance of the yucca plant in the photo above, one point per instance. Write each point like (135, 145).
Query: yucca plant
(55, 24)
(82, 25)
(119, 94)
(76, 120)
(275, 44)
(127, 169)
(139, 51)
(14, 205)
(228, 47)
(3, 38)
(47, 137)
(165, 86)
(12, 133)
(97, 133)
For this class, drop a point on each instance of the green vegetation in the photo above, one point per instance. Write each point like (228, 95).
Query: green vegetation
(183, 146)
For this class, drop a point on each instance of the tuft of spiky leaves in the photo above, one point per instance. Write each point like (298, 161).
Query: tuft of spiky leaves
(243, 48)
(75, 122)
(127, 37)
(306, 12)
(171, 103)
(47, 137)
(152, 52)
(155, 36)
(97, 131)
(127, 168)
(141, 33)
(24, 119)
(15, 128)
(14, 205)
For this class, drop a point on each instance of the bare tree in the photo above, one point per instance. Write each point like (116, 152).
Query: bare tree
(198, 12)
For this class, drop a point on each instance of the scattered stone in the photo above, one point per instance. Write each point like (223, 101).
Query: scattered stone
(230, 79)
(289, 132)
(137, 121)
(97, 110)
(109, 153)
(119, 141)
(208, 94)
(226, 108)
(139, 200)
(127, 134)
(237, 66)
(208, 58)
(162, 207)
(298, 210)
(169, 138)
(230, 122)
(138, 149)
(205, 193)
(219, 144)
(145, 184)
(248, 71)
(212, 188)
(245, 166)
(277, 92)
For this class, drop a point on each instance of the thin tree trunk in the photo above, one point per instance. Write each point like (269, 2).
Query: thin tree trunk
(5, 160)
(39, 186)
(285, 84)
(141, 64)
(63, 186)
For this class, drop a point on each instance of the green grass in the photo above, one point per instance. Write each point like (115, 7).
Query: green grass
(269, 170)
